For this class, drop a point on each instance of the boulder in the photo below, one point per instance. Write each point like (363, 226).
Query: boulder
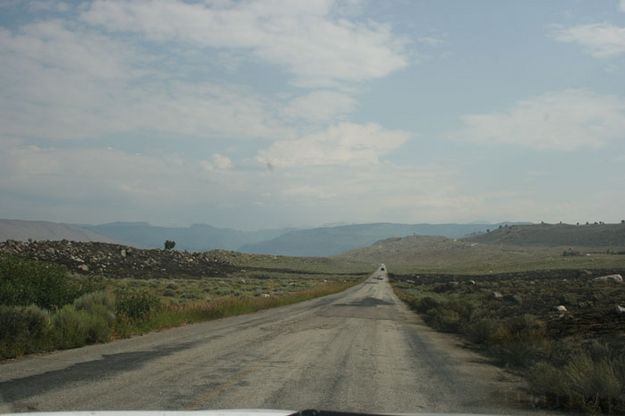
(496, 295)
(615, 278)
(561, 309)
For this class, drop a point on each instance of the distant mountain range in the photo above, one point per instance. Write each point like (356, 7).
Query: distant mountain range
(195, 237)
(322, 241)
(329, 241)
(43, 230)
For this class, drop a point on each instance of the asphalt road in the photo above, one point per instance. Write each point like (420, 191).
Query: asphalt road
(359, 350)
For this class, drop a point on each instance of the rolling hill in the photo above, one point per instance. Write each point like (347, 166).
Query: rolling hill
(423, 254)
(591, 235)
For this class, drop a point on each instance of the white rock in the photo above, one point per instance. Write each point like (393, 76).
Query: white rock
(616, 278)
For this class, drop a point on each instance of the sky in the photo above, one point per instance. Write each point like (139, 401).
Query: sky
(265, 114)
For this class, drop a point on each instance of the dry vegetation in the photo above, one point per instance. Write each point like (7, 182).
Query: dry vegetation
(44, 307)
(421, 254)
(561, 329)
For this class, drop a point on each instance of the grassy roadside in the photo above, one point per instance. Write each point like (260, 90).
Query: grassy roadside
(177, 315)
(572, 358)
(43, 308)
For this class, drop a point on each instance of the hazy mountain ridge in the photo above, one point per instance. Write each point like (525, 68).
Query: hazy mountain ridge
(330, 241)
(194, 237)
(137, 234)
(22, 230)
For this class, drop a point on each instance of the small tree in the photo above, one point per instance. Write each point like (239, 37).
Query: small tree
(169, 244)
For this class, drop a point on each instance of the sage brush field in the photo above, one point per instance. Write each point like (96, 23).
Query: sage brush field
(43, 307)
(561, 329)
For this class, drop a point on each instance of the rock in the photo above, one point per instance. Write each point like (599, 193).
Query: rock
(266, 295)
(83, 267)
(561, 309)
(123, 252)
(616, 278)
(472, 282)
(619, 309)
(496, 295)
(516, 299)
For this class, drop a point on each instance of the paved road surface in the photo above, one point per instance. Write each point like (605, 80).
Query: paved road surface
(360, 350)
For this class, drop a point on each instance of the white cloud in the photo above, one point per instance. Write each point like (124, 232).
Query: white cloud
(78, 84)
(601, 40)
(99, 184)
(565, 120)
(319, 106)
(306, 38)
(622, 5)
(345, 144)
(217, 162)
(49, 6)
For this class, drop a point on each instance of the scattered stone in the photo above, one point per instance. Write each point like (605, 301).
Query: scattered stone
(96, 257)
(619, 309)
(561, 309)
(496, 295)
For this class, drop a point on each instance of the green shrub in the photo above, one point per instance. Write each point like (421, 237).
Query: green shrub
(70, 327)
(425, 304)
(444, 319)
(136, 305)
(100, 306)
(482, 331)
(582, 384)
(74, 327)
(26, 282)
(22, 330)
(520, 341)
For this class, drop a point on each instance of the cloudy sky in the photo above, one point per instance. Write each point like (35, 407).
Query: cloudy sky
(257, 114)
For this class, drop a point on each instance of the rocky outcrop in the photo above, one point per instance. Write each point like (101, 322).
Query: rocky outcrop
(116, 260)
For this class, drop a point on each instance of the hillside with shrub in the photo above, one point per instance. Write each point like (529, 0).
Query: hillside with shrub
(549, 235)
(443, 255)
